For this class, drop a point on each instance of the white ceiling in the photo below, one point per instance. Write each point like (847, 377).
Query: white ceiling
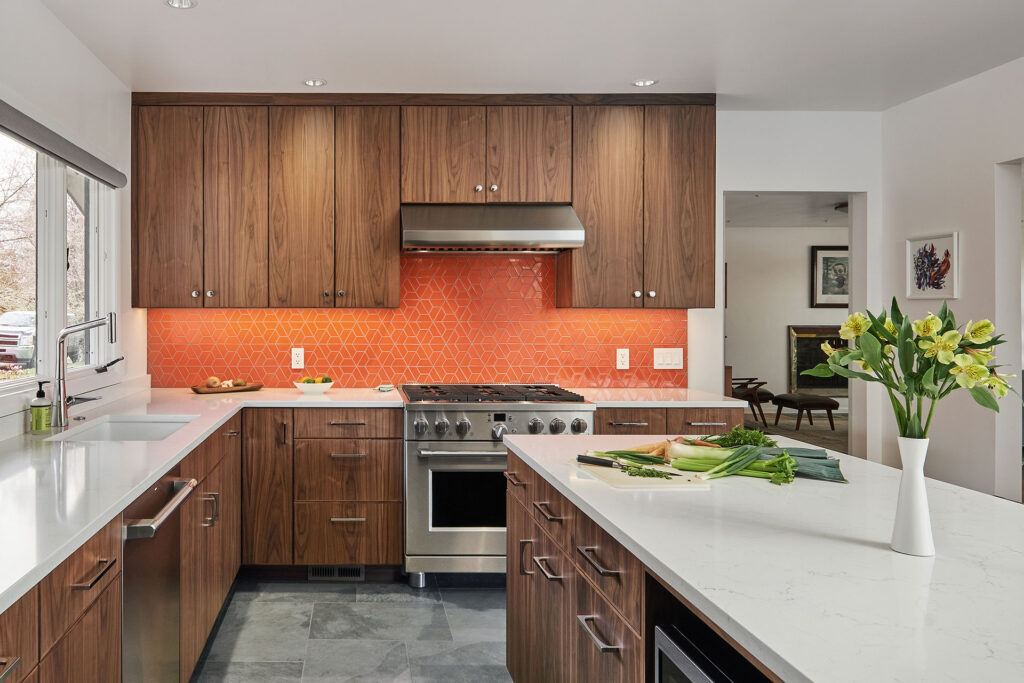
(785, 210)
(782, 54)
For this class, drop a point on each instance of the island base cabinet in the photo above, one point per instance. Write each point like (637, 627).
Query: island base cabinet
(519, 588)
(19, 638)
(606, 650)
(91, 651)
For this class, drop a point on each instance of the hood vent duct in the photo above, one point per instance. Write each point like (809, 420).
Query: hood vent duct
(490, 228)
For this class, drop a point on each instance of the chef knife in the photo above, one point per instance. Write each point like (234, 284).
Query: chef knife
(604, 462)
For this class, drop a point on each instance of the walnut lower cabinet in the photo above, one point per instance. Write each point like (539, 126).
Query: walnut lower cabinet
(690, 421)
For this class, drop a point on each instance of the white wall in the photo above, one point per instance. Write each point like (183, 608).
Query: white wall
(769, 289)
(941, 161)
(52, 77)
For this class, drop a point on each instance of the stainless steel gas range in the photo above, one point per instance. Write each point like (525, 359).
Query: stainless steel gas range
(455, 464)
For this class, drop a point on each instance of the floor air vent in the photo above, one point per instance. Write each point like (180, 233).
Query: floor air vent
(341, 572)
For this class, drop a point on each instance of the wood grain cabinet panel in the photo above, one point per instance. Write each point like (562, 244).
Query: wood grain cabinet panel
(629, 421)
(348, 469)
(348, 423)
(368, 227)
(615, 571)
(167, 191)
(196, 576)
(348, 533)
(302, 206)
(91, 651)
(529, 154)
(19, 638)
(607, 194)
(77, 582)
(521, 540)
(702, 421)
(552, 608)
(207, 455)
(679, 207)
(443, 155)
(267, 486)
(235, 245)
(595, 624)
(553, 513)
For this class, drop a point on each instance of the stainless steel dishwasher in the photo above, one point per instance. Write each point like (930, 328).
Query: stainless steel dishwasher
(152, 578)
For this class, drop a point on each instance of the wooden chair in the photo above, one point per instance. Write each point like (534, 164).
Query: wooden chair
(750, 389)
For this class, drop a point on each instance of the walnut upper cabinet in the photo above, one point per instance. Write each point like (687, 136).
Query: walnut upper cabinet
(302, 206)
(475, 154)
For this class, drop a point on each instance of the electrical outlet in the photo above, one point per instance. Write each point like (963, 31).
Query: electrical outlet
(298, 359)
(622, 359)
(668, 359)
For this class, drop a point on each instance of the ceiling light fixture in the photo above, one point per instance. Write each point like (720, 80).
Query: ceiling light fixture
(181, 4)
(644, 82)
(315, 82)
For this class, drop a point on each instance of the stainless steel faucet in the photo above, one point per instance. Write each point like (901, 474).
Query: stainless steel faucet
(59, 412)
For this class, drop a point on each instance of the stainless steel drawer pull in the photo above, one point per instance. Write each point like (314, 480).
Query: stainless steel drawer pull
(629, 424)
(102, 567)
(214, 500)
(348, 424)
(348, 455)
(233, 432)
(522, 555)
(707, 424)
(427, 453)
(541, 505)
(8, 666)
(587, 551)
(541, 563)
(513, 479)
(585, 620)
(348, 519)
(147, 528)
(284, 433)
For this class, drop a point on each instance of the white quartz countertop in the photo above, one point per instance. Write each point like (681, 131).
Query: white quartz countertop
(55, 495)
(802, 575)
(636, 397)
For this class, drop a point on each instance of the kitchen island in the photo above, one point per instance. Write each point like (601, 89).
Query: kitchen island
(801, 576)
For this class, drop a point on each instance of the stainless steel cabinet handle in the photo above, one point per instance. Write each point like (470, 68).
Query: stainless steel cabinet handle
(348, 424)
(629, 424)
(478, 188)
(212, 519)
(546, 513)
(284, 432)
(348, 519)
(707, 424)
(522, 554)
(513, 479)
(587, 552)
(8, 666)
(637, 294)
(102, 567)
(327, 293)
(195, 293)
(585, 620)
(147, 528)
(652, 294)
(233, 432)
(341, 292)
(348, 455)
(494, 188)
(541, 565)
(427, 453)
(209, 294)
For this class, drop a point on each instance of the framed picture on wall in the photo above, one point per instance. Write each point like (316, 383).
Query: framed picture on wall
(830, 277)
(933, 267)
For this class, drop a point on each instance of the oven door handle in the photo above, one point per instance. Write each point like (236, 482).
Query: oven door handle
(427, 453)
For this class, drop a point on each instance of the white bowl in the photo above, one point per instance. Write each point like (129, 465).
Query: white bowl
(310, 388)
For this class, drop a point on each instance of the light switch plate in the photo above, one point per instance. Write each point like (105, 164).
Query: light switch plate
(622, 359)
(668, 359)
(298, 359)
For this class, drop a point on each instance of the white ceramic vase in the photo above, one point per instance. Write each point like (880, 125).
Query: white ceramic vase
(912, 529)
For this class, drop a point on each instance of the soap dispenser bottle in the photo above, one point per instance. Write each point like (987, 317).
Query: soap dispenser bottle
(39, 409)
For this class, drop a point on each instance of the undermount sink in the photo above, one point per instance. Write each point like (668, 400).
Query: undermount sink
(126, 428)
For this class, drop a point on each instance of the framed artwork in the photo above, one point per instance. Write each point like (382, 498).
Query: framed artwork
(830, 277)
(933, 267)
(805, 353)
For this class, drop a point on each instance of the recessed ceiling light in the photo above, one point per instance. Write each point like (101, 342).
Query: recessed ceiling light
(181, 4)
(644, 82)
(315, 82)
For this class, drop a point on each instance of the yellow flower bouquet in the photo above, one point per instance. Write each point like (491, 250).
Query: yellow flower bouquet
(918, 361)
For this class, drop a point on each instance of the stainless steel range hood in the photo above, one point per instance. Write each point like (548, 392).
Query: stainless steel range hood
(492, 227)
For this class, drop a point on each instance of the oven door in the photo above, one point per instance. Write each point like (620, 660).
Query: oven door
(454, 499)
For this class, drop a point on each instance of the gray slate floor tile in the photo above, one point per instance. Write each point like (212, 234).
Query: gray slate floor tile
(262, 632)
(365, 661)
(294, 592)
(250, 672)
(475, 615)
(395, 592)
(379, 621)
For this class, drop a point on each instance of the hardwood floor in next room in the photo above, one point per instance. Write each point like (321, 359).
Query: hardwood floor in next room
(287, 632)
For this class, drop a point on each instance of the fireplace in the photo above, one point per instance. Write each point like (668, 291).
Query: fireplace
(805, 352)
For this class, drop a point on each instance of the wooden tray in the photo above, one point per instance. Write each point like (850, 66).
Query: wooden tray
(620, 480)
(226, 390)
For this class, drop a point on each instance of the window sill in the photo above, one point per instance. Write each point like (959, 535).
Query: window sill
(16, 395)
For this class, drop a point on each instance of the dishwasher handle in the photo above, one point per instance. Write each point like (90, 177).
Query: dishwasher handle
(147, 528)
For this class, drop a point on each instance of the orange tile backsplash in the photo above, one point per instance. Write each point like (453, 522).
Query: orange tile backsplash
(462, 319)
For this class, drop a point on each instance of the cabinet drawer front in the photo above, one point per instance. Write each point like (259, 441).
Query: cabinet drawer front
(348, 469)
(19, 637)
(348, 533)
(521, 479)
(68, 590)
(616, 572)
(629, 421)
(553, 512)
(207, 455)
(606, 650)
(91, 651)
(703, 421)
(348, 423)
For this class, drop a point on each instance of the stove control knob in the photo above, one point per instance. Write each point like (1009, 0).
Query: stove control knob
(536, 425)
(498, 431)
(441, 426)
(579, 425)
(463, 426)
(420, 426)
(557, 426)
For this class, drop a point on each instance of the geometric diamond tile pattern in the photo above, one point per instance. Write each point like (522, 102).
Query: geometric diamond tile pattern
(461, 319)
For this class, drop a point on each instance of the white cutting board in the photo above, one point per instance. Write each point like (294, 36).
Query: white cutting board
(618, 479)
